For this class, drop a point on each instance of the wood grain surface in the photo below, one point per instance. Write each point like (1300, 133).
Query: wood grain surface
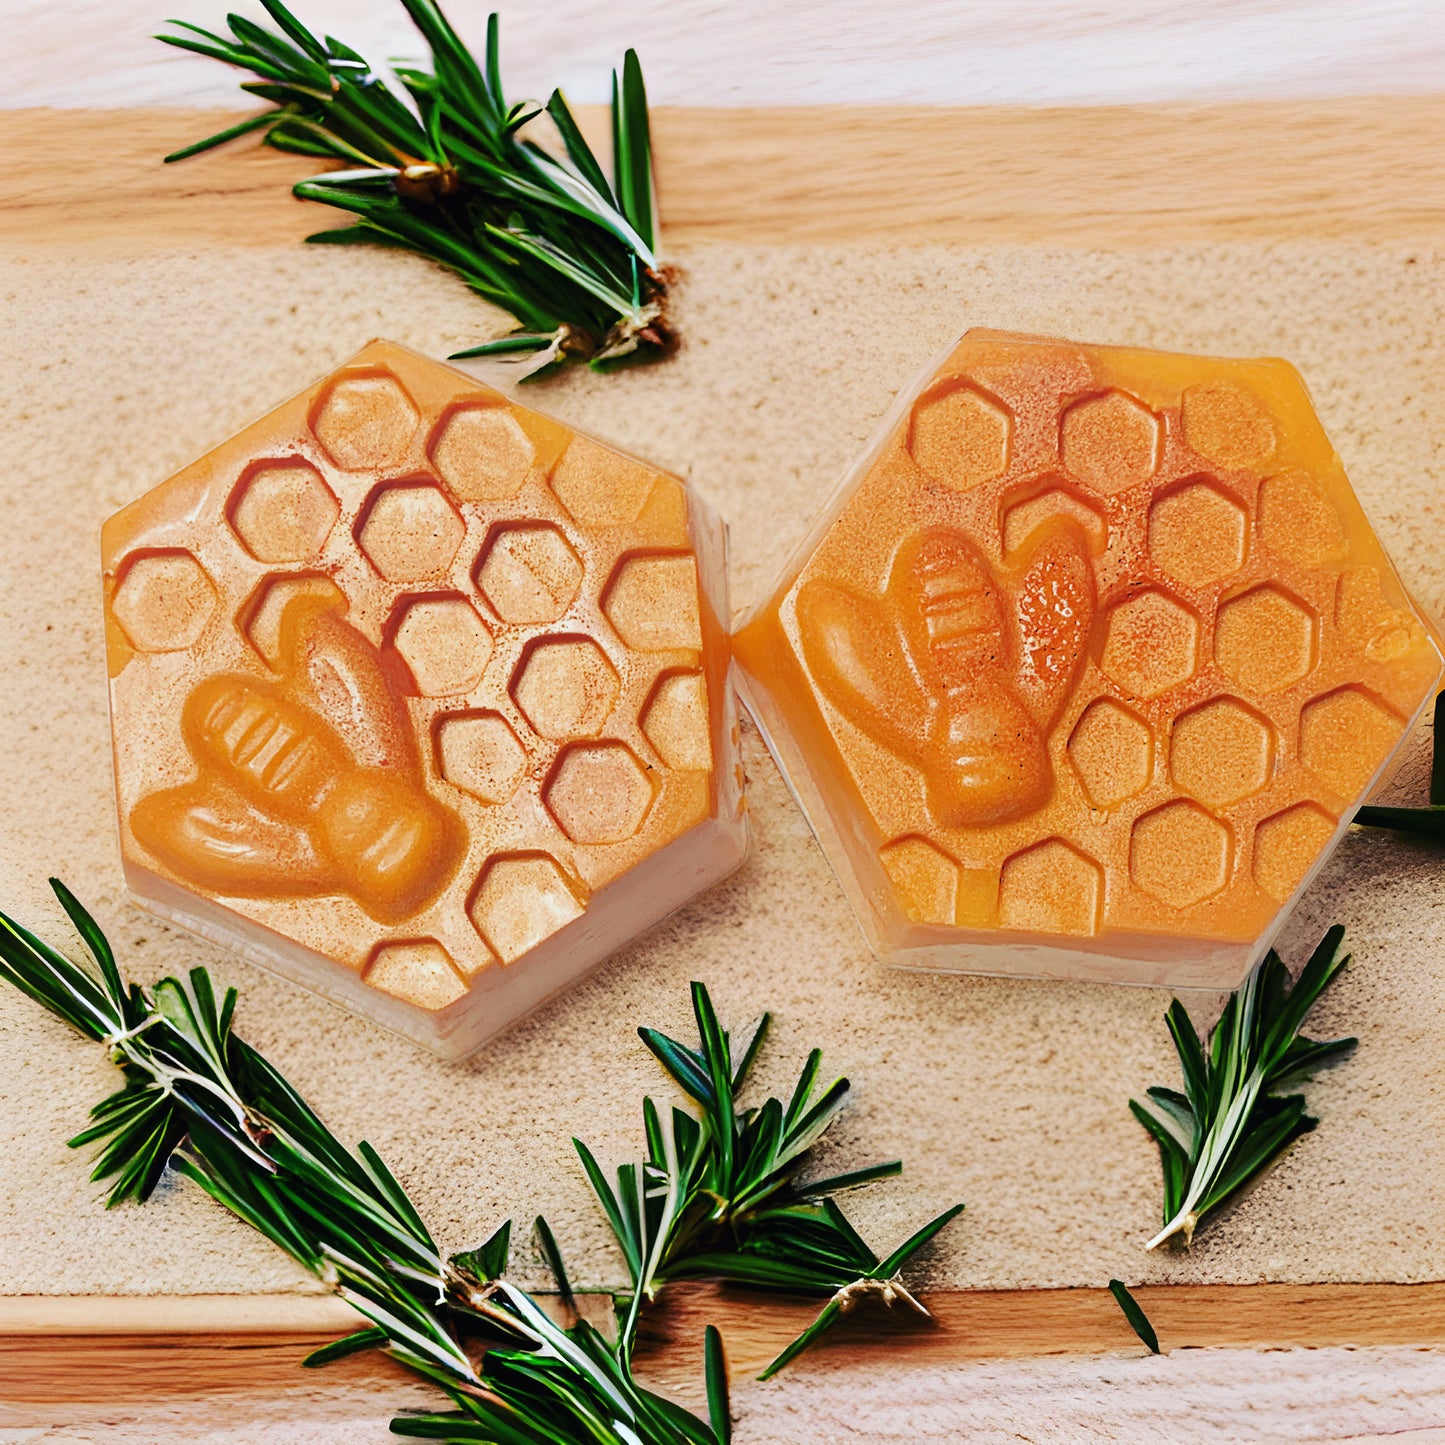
(153, 1350)
(1110, 176)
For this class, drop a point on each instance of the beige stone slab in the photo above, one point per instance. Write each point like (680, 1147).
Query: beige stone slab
(1011, 1096)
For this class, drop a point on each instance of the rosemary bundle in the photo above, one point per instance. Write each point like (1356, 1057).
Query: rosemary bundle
(1229, 1124)
(717, 1195)
(434, 160)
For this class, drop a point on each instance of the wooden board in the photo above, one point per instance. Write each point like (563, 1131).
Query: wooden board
(154, 1349)
(1364, 169)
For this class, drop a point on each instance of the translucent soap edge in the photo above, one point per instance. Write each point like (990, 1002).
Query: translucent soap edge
(1202, 964)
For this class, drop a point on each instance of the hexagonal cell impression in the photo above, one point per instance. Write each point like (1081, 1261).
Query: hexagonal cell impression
(653, 604)
(481, 754)
(163, 600)
(284, 512)
(420, 971)
(260, 617)
(411, 532)
(1112, 751)
(1286, 846)
(675, 721)
(1265, 640)
(1344, 737)
(529, 574)
(520, 901)
(601, 487)
(1197, 534)
(926, 879)
(1022, 517)
(365, 421)
(1152, 644)
(1298, 521)
(444, 644)
(1368, 621)
(481, 453)
(1110, 441)
(1051, 888)
(566, 688)
(598, 793)
(960, 437)
(1179, 854)
(1221, 752)
(1227, 425)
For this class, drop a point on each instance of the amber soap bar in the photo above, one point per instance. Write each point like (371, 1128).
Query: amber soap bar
(421, 698)
(1088, 664)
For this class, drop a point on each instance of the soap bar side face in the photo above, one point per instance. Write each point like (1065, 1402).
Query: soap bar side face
(407, 681)
(1091, 658)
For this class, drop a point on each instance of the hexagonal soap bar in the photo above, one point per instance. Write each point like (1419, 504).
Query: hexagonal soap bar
(421, 698)
(1088, 664)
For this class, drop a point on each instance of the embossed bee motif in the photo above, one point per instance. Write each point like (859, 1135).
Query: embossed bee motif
(306, 786)
(957, 671)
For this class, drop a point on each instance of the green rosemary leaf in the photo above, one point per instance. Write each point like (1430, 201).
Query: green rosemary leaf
(489, 1262)
(1426, 822)
(552, 1256)
(505, 345)
(825, 1320)
(808, 1129)
(610, 1205)
(231, 132)
(368, 1339)
(715, 1366)
(803, 1089)
(214, 48)
(396, 1196)
(53, 981)
(1138, 1320)
(576, 145)
(720, 1075)
(865, 1259)
(915, 1242)
(686, 1069)
(750, 1054)
(1227, 1126)
(632, 141)
(298, 33)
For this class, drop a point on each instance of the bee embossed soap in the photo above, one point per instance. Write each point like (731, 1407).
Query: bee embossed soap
(420, 698)
(1087, 665)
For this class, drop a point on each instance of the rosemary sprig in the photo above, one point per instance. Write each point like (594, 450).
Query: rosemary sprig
(1229, 1124)
(718, 1195)
(1429, 821)
(434, 160)
(196, 1096)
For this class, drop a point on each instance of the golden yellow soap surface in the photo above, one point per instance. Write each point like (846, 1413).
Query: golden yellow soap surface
(405, 675)
(1088, 662)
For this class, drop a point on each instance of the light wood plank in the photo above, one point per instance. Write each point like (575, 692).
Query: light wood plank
(153, 1349)
(1364, 169)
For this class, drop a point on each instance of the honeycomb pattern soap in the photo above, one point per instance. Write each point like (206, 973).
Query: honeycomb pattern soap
(421, 698)
(1088, 664)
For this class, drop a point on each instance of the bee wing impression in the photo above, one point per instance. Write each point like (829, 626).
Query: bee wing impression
(854, 648)
(208, 832)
